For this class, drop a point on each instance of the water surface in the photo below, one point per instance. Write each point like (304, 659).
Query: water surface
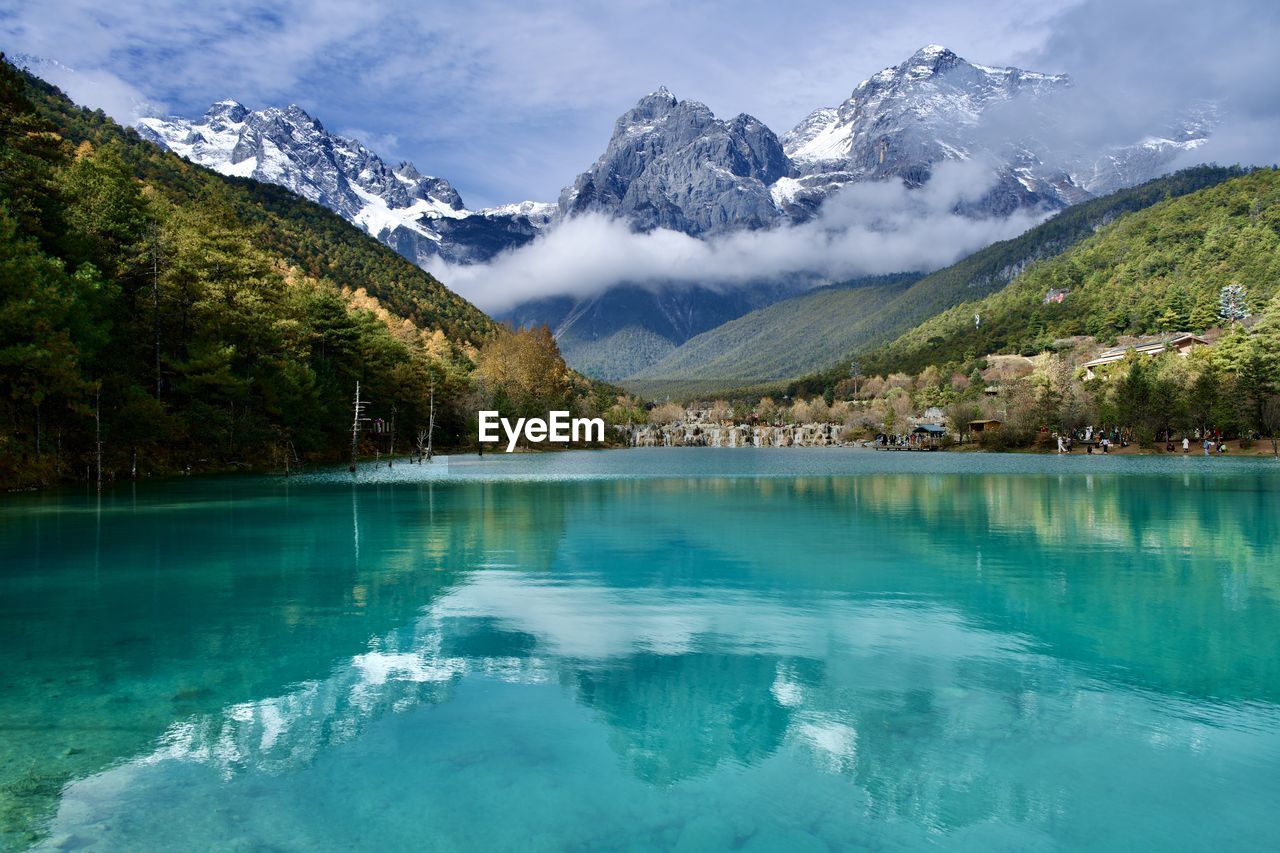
(685, 648)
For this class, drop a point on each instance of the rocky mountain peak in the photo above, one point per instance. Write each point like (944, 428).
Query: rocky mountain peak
(408, 171)
(673, 164)
(229, 110)
(930, 108)
(662, 93)
(419, 215)
(933, 57)
(298, 115)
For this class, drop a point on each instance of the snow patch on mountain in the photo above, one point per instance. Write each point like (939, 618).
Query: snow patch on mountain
(401, 206)
(937, 107)
(673, 164)
(539, 213)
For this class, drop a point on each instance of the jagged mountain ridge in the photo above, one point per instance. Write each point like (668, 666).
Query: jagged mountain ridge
(673, 164)
(901, 121)
(936, 106)
(421, 216)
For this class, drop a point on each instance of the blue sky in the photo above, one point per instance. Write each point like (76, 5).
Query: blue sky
(510, 101)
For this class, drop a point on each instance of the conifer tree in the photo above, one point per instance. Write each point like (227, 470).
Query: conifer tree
(1203, 315)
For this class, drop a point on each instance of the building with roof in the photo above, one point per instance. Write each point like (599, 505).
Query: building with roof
(1181, 343)
(929, 435)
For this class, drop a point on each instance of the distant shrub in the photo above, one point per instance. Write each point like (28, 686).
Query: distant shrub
(1006, 438)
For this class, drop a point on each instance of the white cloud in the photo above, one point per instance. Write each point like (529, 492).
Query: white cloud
(1138, 64)
(96, 89)
(510, 101)
(866, 229)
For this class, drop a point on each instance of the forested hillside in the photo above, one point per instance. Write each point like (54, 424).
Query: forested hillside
(812, 331)
(156, 316)
(1159, 270)
(780, 341)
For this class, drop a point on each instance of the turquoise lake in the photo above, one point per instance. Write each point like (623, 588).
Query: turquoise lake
(687, 649)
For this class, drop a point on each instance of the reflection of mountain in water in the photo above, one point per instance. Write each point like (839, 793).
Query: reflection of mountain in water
(1096, 568)
(919, 709)
(904, 634)
(674, 717)
(165, 610)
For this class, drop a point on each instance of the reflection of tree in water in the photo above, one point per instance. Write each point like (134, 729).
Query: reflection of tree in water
(1099, 567)
(208, 599)
(1090, 573)
(519, 525)
(676, 717)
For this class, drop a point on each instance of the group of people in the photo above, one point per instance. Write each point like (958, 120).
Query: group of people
(899, 440)
(1100, 437)
(1103, 439)
(1211, 442)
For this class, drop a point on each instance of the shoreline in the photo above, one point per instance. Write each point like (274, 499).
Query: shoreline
(1261, 449)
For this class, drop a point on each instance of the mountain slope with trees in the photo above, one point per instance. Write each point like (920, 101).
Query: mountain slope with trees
(156, 316)
(1207, 262)
(778, 341)
(1159, 270)
(815, 330)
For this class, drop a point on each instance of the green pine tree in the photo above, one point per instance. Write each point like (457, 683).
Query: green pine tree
(1169, 321)
(1203, 316)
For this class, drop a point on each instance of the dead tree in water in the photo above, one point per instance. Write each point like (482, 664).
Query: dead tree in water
(431, 424)
(392, 454)
(355, 428)
(425, 436)
(97, 429)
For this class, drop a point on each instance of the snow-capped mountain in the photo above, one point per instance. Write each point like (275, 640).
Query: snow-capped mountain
(920, 111)
(936, 106)
(673, 164)
(933, 107)
(1124, 166)
(421, 216)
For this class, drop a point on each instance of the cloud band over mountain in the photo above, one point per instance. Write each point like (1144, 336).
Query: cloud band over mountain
(866, 229)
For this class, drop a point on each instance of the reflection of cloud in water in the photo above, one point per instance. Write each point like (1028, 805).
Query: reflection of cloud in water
(908, 701)
(581, 630)
(835, 745)
(593, 621)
